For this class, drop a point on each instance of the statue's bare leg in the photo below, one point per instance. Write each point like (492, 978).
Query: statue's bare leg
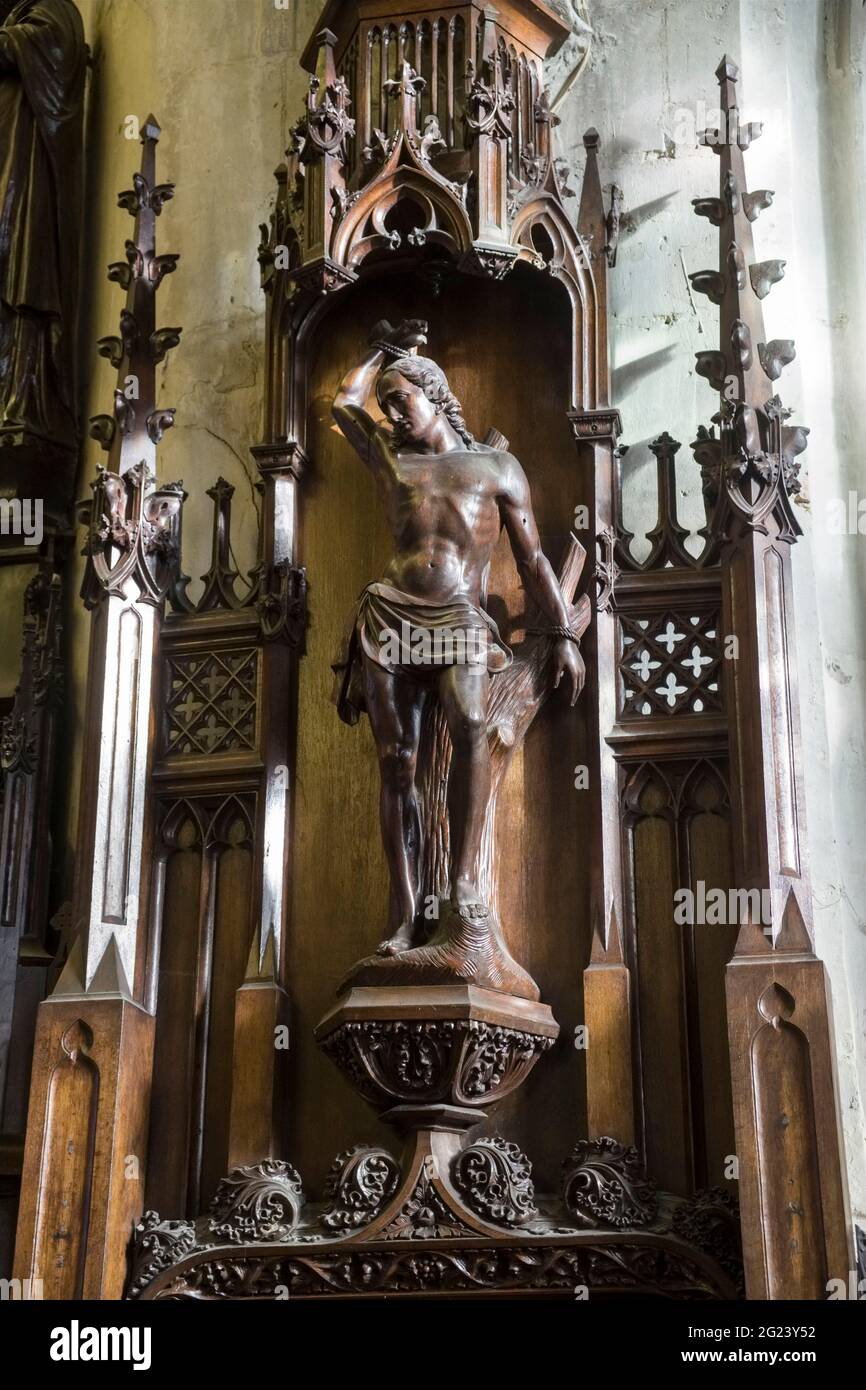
(394, 706)
(464, 692)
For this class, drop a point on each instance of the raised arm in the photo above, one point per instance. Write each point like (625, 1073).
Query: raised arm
(351, 399)
(349, 410)
(536, 571)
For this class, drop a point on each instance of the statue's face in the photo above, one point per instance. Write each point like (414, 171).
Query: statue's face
(407, 408)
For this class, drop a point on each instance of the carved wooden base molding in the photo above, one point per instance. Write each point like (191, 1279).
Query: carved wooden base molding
(457, 1220)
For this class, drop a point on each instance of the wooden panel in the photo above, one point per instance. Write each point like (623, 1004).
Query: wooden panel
(205, 941)
(788, 1159)
(782, 723)
(610, 1089)
(709, 838)
(677, 818)
(657, 951)
(173, 1055)
(66, 1172)
(231, 948)
(80, 1140)
(340, 894)
(792, 1175)
(13, 583)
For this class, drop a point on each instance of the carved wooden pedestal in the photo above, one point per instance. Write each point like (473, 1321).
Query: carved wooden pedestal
(429, 1057)
(453, 1215)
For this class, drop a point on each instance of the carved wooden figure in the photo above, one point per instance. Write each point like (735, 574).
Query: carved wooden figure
(42, 78)
(421, 637)
(402, 199)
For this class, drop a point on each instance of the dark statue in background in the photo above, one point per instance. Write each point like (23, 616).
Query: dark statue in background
(423, 654)
(43, 59)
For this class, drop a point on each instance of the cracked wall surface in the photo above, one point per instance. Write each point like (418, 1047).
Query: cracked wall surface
(222, 77)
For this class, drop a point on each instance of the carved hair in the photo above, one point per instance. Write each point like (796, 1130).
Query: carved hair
(424, 372)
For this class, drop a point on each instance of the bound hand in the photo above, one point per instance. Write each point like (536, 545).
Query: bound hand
(567, 661)
(408, 336)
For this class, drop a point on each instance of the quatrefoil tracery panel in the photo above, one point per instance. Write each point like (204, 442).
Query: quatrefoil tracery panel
(669, 663)
(211, 703)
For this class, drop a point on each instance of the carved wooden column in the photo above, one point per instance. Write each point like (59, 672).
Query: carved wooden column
(490, 104)
(796, 1226)
(606, 982)
(259, 1111)
(312, 187)
(83, 1175)
(318, 150)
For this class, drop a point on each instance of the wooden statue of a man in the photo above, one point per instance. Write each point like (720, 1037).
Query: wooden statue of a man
(423, 628)
(43, 60)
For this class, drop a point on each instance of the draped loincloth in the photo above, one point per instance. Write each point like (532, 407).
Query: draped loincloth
(414, 636)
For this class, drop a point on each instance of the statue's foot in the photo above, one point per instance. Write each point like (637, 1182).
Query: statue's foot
(467, 900)
(467, 947)
(402, 940)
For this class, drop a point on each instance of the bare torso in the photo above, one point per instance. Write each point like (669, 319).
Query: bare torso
(444, 517)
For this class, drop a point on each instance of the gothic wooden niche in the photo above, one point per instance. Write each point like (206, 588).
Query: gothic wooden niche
(469, 1147)
(438, 199)
(670, 739)
(207, 789)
